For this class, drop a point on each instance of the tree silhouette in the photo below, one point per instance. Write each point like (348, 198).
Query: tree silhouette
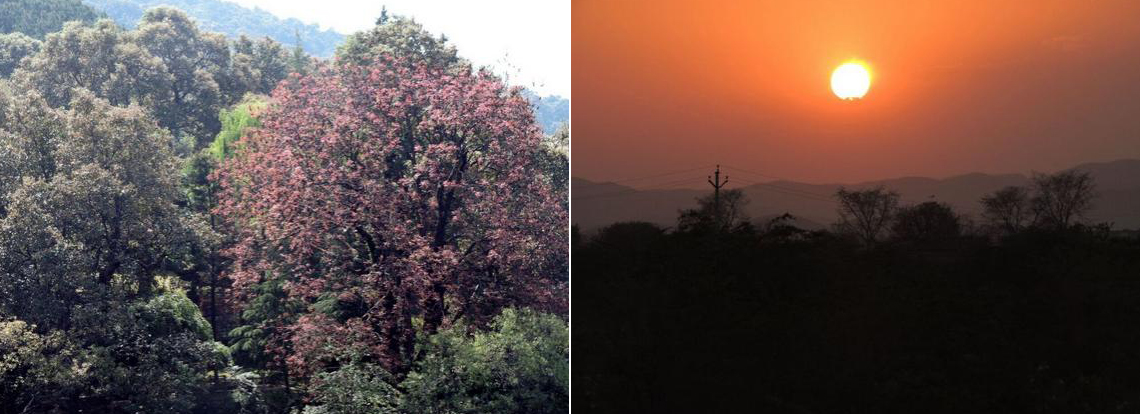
(708, 216)
(929, 221)
(1008, 209)
(866, 213)
(1062, 199)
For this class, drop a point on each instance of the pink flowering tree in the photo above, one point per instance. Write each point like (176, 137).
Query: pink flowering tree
(390, 198)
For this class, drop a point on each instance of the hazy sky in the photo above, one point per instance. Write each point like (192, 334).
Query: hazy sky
(959, 86)
(528, 38)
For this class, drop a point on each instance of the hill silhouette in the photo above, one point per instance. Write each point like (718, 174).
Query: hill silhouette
(599, 204)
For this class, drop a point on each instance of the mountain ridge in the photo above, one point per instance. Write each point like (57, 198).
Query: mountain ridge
(596, 204)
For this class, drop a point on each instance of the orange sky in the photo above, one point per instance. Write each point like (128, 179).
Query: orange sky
(993, 86)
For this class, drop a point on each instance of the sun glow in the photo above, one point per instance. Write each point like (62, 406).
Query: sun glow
(850, 80)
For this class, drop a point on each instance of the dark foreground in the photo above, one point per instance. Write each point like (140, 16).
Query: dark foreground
(786, 321)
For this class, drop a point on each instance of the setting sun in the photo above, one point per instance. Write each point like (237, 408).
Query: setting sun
(850, 80)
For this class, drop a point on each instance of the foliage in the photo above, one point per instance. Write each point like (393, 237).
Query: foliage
(236, 122)
(521, 365)
(36, 18)
(231, 20)
(180, 74)
(393, 191)
(31, 365)
(89, 219)
(399, 36)
(260, 65)
(368, 204)
(355, 389)
(13, 48)
(173, 312)
(554, 162)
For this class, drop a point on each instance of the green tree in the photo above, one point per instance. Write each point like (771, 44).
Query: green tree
(554, 161)
(356, 388)
(236, 122)
(259, 66)
(398, 36)
(13, 48)
(89, 222)
(180, 74)
(97, 57)
(197, 63)
(521, 365)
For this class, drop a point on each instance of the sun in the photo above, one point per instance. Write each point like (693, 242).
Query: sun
(851, 80)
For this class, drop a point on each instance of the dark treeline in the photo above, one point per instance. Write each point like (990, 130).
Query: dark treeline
(1027, 309)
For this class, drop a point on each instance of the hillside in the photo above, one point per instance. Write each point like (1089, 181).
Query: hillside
(549, 111)
(232, 20)
(36, 18)
(599, 204)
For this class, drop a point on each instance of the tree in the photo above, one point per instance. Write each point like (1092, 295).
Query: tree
(197, 64)
(356, 388)
(1007, 209)
(113, 212)
(866, 213)
(96, 57)
(554, 161)
(399, 36)
(708, 215)
(236, 122)
(389, 192)
(520, 365)
(89, 223)
(180, 74)
(259, 66)
(1062, 199)
(926, 222)
(13, 48)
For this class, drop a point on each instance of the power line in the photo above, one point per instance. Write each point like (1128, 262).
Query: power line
(774, 185)
(791, 192)
(664, 174)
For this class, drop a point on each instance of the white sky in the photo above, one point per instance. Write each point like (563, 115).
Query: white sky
(527, 39)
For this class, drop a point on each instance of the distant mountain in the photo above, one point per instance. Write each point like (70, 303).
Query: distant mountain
(232, 20)
(594, 205)
(36, 18)
(549, 111)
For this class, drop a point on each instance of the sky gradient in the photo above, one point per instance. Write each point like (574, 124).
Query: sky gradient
(958, 87)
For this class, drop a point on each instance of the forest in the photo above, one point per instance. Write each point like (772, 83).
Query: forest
(1027, 308)
(196, 223)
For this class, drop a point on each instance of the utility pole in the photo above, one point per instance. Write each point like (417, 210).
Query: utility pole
(716, 190)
